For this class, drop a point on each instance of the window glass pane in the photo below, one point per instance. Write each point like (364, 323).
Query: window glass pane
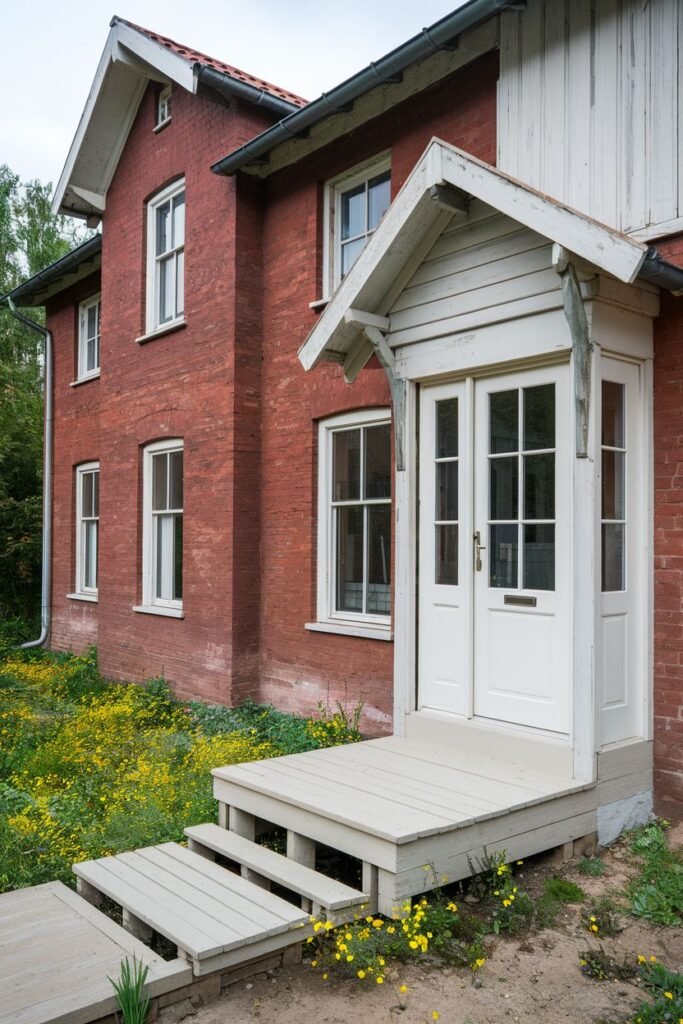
(97, 353)
(346, 471)
(379, 197)
(349, 559)
(612, 414)
(90, 555)
(447, 428)
(178, 558)
(539, 417)
(379, 559)
(164, 559)
(160, 481)
(180, 283)
(163, 218)
(166, 285)
(350, 253)
(504, 412)
(377, 462)
(446, 571)
(504, 488)
(353, 212)
(503, 556)
(539, 557)
(447, 490)
(539, 486)
(87, 494)
(178, 219)
(613, 557)
(175, 487)
(91, 360)
(96, 494)
(91, 328)
(613, 467)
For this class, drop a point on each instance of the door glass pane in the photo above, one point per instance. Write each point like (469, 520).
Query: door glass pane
(503, 556)
(447, 428)
(379, 197)
(346, 472)
(504, 488)
(613, 557)
(613, 467)
(163, 228)
(377, 462)
(504, 412)
(539, 557)
(539, 417)
(446, 570)
(160, 482)
(612, 414)
(175, 498)
(350, 253)
(349, 559)
(447, 490)
(87, 499)
(177, 558)
(353, 212)
(379, 559)
(539, 486)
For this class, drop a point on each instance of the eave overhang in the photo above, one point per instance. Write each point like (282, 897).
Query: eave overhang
(71, 268)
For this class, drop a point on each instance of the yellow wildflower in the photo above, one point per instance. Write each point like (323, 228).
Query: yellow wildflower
(361, 974)
(403, 989)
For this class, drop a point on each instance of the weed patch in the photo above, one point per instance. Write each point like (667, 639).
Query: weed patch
(657, 892)
(591, 867)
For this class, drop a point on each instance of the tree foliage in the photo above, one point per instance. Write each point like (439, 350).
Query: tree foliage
(30, 239)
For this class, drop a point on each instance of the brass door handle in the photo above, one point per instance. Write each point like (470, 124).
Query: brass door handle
(478, 548)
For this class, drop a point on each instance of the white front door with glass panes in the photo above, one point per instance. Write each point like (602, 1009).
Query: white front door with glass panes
(494, 630)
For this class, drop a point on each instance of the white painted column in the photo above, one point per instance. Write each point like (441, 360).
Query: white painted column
(405, 548)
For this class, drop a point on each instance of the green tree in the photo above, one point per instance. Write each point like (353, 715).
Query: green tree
(30, 239)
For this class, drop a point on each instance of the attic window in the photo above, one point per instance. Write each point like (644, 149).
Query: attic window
(164, 107)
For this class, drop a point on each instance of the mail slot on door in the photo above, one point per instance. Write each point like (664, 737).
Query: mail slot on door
(519, 601)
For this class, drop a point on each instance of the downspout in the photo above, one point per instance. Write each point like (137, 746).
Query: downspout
(47, 477)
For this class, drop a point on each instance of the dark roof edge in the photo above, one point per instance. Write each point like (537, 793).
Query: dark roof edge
(24, 294)
(426, 42)
(657, 270)
(228, 86)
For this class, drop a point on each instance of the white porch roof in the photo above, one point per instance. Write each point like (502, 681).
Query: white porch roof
(438, 189)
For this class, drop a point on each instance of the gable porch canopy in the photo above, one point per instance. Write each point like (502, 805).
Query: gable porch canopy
(440, 188)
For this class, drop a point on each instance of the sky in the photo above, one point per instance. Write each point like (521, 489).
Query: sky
(49, 53)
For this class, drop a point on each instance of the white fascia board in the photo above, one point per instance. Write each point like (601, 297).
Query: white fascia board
(604, 248)
(172, 66)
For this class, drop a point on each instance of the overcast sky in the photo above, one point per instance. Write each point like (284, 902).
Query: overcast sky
(49, 54)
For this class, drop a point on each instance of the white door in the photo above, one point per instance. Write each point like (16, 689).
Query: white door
(494, 628)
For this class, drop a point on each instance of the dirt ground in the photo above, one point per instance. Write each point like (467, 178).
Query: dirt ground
(532, 977)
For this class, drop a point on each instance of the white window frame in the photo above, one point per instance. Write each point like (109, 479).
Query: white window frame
(333, 192)
(83, 372)
(81, 589)
(154, 324)
(163, 107)
(150, 602)
(328, 619)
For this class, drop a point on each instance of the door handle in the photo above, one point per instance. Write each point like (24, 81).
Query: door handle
(478, 548)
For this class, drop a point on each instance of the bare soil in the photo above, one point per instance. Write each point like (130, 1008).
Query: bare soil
(534, 977)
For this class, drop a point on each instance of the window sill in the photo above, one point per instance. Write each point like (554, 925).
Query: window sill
(92, 598)
(157, 609)
(162, 124)
(84, 380)
(160, 332)
(318, 304)
(368, 632)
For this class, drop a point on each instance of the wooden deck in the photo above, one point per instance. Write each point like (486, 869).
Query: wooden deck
(56, 954)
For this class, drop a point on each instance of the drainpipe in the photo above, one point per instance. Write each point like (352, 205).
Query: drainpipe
(47, 477)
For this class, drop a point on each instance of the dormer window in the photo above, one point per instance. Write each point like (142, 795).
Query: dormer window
(164, 107)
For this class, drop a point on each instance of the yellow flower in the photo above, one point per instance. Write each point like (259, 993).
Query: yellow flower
(668, 995)
(413, 944)
(349, 958)
(594, 919)
(314, 963)
(379, 979)
(506, 903)
(642, 959)
(403, 989)
(325, 977)
(361, 974)
(435, 1014)
(452, 907)
(594, 928)
(391, 930)
(653, 959)
(520, 861)
(378, 923)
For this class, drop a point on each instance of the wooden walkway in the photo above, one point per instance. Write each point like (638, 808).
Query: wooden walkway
(56, 954)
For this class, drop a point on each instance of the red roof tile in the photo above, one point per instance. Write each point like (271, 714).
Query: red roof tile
(195, 57)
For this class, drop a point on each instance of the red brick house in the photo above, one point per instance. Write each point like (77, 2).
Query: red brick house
(468, 514)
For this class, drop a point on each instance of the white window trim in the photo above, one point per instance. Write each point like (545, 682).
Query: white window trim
(150, 603)
(328, 620)
(153, 327)
(81, 591)
(161, 122)
(82, 374)
(332, 201)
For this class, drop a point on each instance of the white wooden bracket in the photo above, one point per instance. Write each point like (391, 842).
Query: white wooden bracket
(373, 326)
(582, 348)
(449, 198)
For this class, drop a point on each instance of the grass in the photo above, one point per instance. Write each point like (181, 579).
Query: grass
(591, 867)
(656, 893)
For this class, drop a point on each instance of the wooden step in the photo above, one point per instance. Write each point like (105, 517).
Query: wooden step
(321, 890)
(214, 917)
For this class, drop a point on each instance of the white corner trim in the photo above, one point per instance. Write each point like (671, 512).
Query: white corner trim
(84, 380)
(344, 629)
(152, 609)
(91, 598)
(175, 325)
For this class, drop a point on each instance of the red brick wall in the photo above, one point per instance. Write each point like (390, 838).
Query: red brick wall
(668, 653)
(300, 668)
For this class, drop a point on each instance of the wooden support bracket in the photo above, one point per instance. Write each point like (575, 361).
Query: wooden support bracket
(582, 348)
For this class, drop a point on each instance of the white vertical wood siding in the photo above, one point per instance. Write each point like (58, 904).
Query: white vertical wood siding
(590, 107)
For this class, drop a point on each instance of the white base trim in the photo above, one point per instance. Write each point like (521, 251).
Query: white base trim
(155, 609)
(368, 632)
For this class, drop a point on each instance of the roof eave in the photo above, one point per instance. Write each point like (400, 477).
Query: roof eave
(82, 261)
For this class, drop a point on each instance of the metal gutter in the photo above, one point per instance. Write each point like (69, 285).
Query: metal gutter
(46, 572)
(24, 293)
(389, 68)
(229, 88)
(657, 270)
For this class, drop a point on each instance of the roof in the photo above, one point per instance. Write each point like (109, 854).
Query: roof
(74, 266)
(446, 176)
(133, 56)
